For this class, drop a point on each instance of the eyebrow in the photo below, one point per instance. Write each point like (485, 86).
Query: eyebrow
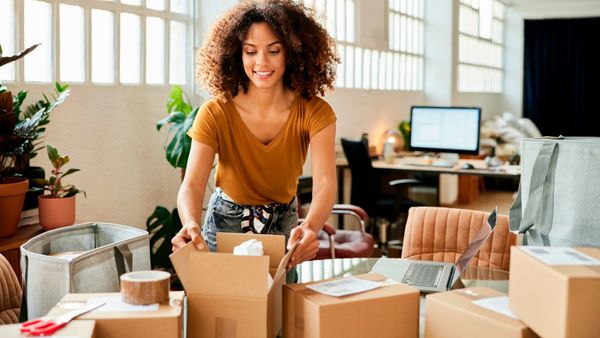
(269, 45)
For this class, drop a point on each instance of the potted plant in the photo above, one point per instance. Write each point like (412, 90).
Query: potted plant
(19, 135)
(57, 208)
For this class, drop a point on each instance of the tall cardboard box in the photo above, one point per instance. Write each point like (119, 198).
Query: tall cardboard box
(165, 322)
(453, 314)
(75, 329)
(556, 300)
(389, 311)
(233, 296)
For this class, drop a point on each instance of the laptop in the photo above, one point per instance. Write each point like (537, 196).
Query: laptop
(429, 276)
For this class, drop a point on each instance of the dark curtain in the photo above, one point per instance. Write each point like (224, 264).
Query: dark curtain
(561, 91)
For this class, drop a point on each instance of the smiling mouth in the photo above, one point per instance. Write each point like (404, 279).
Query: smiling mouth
(263, 74)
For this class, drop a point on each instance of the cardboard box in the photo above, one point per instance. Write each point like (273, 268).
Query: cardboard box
(555, 300)
(77, 328)
(231, 296)
(453, 314)
(389, 311)
(166, 322)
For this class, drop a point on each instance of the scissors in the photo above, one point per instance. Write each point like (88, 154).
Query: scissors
(45, 326)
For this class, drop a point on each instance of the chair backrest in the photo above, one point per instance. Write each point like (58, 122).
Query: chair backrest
(10, 294)
(365, 185)
(442, 235)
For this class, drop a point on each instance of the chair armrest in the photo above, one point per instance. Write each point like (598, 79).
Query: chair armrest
(352, 210)
(406, 181)
(328, 229)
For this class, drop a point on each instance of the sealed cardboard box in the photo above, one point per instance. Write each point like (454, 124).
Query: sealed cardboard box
(163, 320)
(233, 296)
(456, 314)
(77, 328)
(389, 311)
(556, 290)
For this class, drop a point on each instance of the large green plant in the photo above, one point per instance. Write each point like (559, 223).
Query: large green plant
(54, 184)
(164, 224)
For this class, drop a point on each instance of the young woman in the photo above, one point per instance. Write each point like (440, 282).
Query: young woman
(264, 62)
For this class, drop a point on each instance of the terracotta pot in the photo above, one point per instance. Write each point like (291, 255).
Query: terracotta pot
(56, 212)
(12, 195)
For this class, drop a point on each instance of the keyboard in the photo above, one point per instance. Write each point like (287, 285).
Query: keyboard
(423, 275)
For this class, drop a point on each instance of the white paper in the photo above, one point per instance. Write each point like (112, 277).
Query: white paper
(115, 304)
(251, 247)
(344, 287)
(496, 304)
(560, 255)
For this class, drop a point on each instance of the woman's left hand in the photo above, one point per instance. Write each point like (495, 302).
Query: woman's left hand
(307, 247)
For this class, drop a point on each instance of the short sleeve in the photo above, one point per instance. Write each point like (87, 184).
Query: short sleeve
(322, 115)
(204, 128)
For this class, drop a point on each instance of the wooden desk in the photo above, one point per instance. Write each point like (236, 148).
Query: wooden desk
(10, 246)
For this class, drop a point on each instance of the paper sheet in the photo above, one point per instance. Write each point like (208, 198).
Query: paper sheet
(560, 255)
(496, 304)
(344, 287)
(115, 304)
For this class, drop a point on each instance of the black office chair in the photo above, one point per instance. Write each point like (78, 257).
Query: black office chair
(365, 192)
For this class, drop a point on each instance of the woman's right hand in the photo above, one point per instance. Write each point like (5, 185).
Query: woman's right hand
(189, 232)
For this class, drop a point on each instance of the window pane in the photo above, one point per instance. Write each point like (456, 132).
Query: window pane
(179, 6)
(7, 38)
(72, 44)
(38, 29)
(132, 2)
(155, 50)
(159, 5)
(485, 18)
(178, 53)
(103, 50)
(350, 15)
(130, 49)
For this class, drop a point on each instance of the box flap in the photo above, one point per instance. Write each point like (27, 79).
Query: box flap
(224, 274)
(273, 245)
(181, 263)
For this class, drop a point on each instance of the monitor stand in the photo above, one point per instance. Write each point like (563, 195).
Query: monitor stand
(446, 160)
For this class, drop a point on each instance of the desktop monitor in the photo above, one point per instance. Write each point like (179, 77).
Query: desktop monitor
(445, 129)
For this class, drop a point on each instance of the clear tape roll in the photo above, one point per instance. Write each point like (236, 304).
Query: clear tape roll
(145, 287)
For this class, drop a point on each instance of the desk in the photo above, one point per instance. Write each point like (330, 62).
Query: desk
(403, 164)
(312, 271)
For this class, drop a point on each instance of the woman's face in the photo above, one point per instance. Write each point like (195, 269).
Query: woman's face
(263, 57)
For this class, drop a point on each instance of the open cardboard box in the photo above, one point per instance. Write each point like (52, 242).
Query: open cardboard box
(453, 314)
(231, 296)
(555, 300)
(165, 322)
(389, 311)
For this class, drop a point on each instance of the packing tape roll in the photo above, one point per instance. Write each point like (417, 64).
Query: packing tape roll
(145, 287)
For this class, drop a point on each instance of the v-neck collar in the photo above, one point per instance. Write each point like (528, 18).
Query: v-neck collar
(280, 133)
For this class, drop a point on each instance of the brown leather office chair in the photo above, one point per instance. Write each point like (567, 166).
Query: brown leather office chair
(10, 294)
(335, 243)
(442, 234)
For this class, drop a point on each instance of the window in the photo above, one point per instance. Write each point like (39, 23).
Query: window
(480, 46)
(399, 67)
(99, 41)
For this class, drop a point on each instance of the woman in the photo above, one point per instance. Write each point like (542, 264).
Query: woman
(264, 62)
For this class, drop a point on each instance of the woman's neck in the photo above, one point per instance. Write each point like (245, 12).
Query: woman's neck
(269, 99)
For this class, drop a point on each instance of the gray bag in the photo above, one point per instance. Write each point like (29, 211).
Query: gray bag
(105, 251)
(558, 202)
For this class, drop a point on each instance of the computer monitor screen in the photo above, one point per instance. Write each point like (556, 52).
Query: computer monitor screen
(445, 129)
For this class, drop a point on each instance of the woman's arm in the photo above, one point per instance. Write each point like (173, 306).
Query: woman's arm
(191, 195)
(322, 147)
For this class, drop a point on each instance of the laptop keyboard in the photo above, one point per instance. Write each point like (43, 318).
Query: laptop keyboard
(423, 275)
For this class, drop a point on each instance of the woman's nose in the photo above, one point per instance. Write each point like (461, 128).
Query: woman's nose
(261, 58)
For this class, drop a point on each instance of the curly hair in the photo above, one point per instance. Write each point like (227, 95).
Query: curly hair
(310, 51)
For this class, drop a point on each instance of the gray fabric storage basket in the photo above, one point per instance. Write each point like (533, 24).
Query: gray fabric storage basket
(109, 250)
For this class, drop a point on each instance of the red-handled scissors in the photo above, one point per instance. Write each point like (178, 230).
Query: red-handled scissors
(45, 326)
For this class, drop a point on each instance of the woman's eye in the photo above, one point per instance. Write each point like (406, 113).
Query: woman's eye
(250, 52)
(274, 51)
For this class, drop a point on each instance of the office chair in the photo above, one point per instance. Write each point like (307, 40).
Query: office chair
(10, 294)
(346, 243)
(442, 235)
(366, 193)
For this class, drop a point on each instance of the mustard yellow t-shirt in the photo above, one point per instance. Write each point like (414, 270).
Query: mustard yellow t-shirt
(248, 171)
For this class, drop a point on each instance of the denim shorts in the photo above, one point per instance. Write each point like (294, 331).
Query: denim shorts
(224, 215)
